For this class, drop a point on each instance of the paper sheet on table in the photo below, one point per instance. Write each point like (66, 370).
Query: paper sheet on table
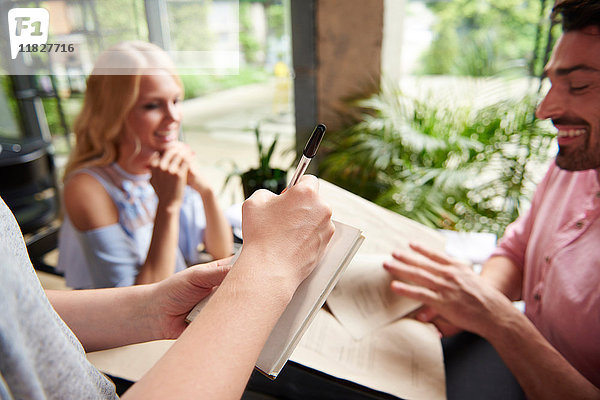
(404, 359)
(362, 300)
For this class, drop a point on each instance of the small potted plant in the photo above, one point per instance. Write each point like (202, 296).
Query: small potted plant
(264, 176)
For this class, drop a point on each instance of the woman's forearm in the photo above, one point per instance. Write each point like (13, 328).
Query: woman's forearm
(218, 237)
(160, 261)
(210, 359)
(91, 315)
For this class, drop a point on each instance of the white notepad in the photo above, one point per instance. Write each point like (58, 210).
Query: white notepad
(306, 302)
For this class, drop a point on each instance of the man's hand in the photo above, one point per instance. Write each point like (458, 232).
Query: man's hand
(427, 314)
(450, 288)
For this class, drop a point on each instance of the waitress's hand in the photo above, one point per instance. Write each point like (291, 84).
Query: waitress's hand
(288, 232)
(173, 298)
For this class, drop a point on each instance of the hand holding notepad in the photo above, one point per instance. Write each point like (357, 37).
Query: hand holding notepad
(313, 291)
(308, 299)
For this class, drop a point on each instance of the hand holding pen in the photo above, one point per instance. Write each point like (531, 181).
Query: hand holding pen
(308, 153)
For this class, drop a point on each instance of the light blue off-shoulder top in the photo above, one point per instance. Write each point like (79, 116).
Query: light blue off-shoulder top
(111, 256)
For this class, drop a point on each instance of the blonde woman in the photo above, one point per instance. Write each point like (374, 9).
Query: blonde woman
(137, 208)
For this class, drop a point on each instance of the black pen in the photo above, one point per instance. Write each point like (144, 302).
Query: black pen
(309, 152)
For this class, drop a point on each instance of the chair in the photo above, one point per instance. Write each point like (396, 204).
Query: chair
(28, 185)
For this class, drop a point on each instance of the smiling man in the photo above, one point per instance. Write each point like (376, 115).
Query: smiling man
(550, 256)
(573, 102)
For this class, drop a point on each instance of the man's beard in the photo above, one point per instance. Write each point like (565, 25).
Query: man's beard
(578, 159)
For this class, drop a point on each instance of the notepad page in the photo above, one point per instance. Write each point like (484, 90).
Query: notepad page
(308, 299)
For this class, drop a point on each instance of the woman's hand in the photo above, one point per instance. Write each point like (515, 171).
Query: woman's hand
(169, 166)
(194, 178)
(290, 231)
(449, 288)
(173, 298)
(284, 236)
(169, 175)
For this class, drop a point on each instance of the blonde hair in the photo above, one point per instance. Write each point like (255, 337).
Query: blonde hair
(112, 90)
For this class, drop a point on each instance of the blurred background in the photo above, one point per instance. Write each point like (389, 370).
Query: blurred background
(429, 104)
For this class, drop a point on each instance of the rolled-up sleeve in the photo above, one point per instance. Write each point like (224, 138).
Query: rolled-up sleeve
(513, 243)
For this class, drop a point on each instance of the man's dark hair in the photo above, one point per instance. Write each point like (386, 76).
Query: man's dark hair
(577, 14)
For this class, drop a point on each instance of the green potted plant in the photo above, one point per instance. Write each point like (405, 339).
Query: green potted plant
(467, 168)
(264, 176)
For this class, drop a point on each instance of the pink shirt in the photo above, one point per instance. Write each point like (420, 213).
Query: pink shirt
(557, 244)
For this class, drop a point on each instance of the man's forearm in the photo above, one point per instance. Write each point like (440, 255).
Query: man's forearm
(504, 275)
(541, 370)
